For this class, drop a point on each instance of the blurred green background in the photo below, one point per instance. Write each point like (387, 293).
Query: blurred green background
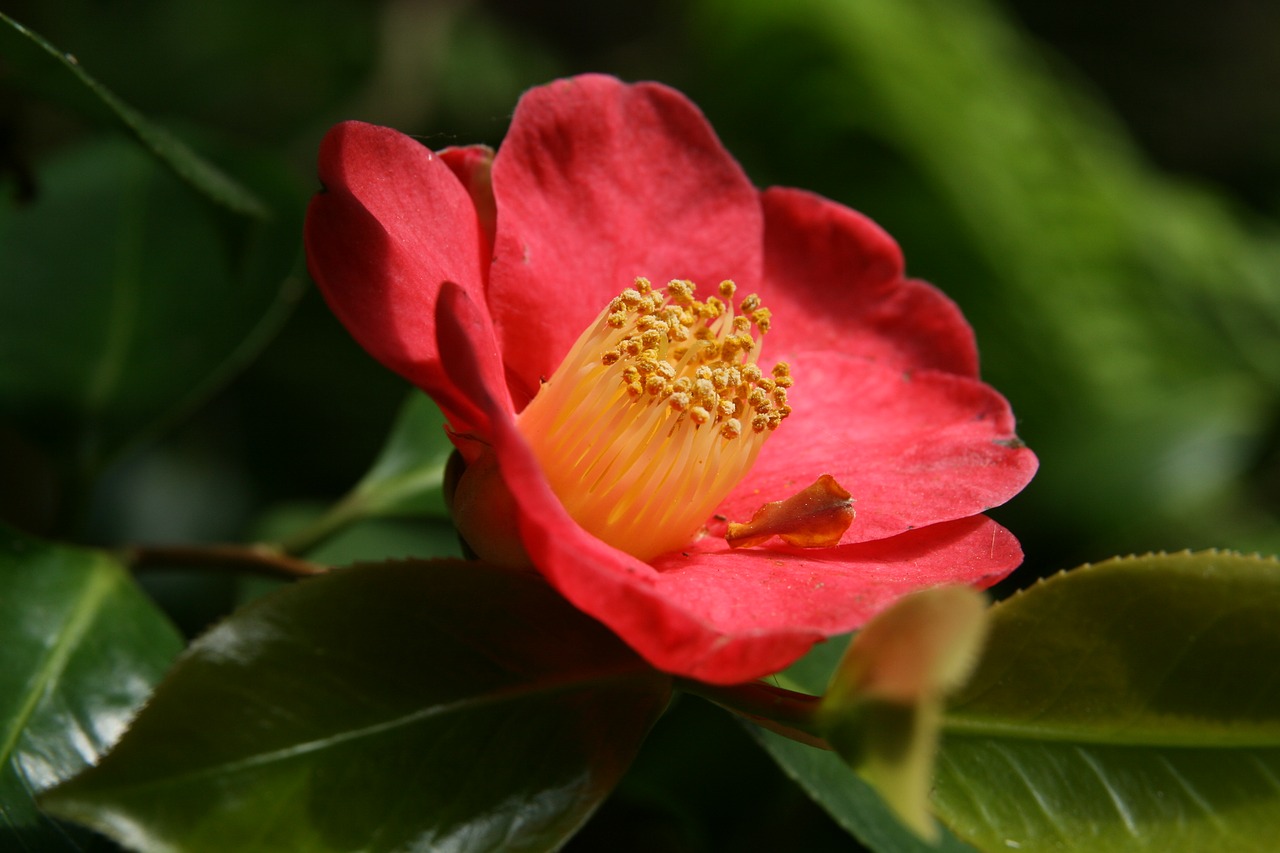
(1097, 185)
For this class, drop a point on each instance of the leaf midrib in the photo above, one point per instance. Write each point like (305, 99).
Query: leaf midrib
(54, 662)
(496, 697)
(1228, 736)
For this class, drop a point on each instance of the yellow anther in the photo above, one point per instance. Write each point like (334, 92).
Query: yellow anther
(679, 401)
(749, 304)
(727, 288)
(643, 284)
(617, 320)
(731, 428)
(680, 292)
(699, 415)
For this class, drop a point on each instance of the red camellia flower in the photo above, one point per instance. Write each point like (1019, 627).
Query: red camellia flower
(637, 351)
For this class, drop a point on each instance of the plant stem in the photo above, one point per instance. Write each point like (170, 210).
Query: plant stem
(785, 712)
(257, 559)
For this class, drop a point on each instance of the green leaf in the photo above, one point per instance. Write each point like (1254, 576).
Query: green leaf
(1131, 705)
(394, 706)
(58, 75)
(150, 299)
(82, 649)
(407, 478)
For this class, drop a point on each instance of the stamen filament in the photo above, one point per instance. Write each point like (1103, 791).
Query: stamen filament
(656, 413)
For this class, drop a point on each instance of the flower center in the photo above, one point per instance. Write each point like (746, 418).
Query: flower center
(656, 413)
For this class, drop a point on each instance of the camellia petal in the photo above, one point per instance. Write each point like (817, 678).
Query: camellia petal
(840, 276)
(599, 184)
(912, 449)
(643, 188)
(390, 225)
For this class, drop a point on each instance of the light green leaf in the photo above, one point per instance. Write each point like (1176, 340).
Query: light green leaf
(59, 75)
(400, 706)
(1132, 705)
(82, 649)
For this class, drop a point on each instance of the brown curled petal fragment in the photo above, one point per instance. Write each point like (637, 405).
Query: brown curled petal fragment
(814, 518)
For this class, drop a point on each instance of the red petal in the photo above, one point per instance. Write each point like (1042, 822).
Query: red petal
(834, 282)
(823, 592)
(473, 165)
(598, 182)
(912, 449)
(390, 226)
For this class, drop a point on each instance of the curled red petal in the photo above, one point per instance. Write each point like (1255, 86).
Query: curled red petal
(834, 281)
(598, 182)
(473, 165)
(391, 224)
(913, 449)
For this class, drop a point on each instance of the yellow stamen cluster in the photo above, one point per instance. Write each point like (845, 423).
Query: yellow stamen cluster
(656, 413)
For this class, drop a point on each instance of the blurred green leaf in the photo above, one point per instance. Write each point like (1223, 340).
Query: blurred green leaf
(1133, 320)
(407, 706)
(82, 649)
(123, 298)
(1132, 705)
(58, 75)
(407, 479)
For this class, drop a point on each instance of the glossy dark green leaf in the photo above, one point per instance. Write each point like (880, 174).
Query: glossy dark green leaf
(59, 75)
(406, 479)
(1132, 705)
(397, 706)
(850, 801)
(125, 297)
(82, 647)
